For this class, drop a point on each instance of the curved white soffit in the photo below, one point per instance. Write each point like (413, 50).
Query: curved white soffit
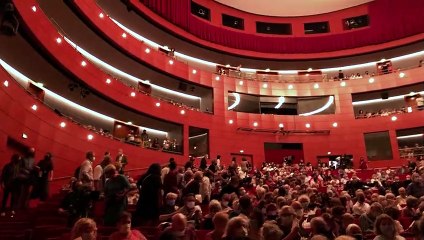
(327, 105)
(253, 70)
(17, 75)
(236, 102)
(365, 102)
(123, 74)
(281, 101)
(411, 136)
(291, 8)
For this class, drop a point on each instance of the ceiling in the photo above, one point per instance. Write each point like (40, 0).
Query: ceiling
(291, 8)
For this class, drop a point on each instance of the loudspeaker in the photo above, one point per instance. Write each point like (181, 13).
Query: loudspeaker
(232, 22)
(384, 95)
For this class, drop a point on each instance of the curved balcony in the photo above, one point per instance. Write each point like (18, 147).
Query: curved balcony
(226, 137)
(276, 47)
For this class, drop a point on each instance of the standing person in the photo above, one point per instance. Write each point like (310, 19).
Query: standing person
(115, 189)
(122, 159)
(170, 181)
(98, 176)
(45, 174)
(150, 202)
(86, 170)
(8, 182)
(26, 178)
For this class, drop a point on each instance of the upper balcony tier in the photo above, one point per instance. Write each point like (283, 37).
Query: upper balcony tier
(336, 41)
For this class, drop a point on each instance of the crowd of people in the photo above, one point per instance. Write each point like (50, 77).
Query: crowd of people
(238, 201)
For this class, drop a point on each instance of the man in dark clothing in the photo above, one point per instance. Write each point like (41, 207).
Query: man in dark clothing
(8, 181)
(416, 187)
(26, 178)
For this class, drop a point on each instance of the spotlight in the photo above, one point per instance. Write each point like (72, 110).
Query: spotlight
(265, 85)
(58, 40)
(34, 8)
(124, 35)
(231, 121)
(335, 124)
(101, 15)
(307, 125)
(343, 84)
(158, 104)
(171, 62)
(290, 86)
(281, 125)
(394, 118)
(255, 124)
(24, 136)
(34, 107)
(194, 71)
(217, 78)
(132, 94)
(62, 124)
(182, 112)
(241, 151)
(147, 50)
(6, 83)
(241, 83)
(108, 81)
(90, 137)
(402, 74)
(329, 153)
(316, 85)
(371, 80)
(83, 63)
(309, 69)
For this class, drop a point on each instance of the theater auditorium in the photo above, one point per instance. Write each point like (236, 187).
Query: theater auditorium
(211, 120)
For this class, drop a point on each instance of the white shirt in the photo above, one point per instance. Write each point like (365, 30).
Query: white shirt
(98, 172)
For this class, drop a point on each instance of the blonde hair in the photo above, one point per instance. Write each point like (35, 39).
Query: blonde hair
(83, 225)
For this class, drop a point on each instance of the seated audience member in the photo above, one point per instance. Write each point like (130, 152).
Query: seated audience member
(360, 207)
(355, 231)
(124, 229)
(416, 187)
(190, 210)
(394, 213)
(169, 208)
(214, 208)
(178, 229)
(220, 221)
(385, 229)
(347, 219)
(237, 229)
(367, 220)
(320, 227)
(84, 229)
(402, 197)
(409, 210)
(289, 223)
(270, 231)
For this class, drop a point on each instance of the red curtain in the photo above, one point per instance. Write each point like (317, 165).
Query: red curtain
(389, 20)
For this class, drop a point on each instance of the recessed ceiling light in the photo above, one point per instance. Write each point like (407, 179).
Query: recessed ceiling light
(34, 107)
(402, 74)
(308, 125)
(83, 63)
(241, 83)
(147, 50)
(394, 118)
(34, 8)
(290, 86)
(265, 85)
(58, 40)
(241, 151)
(182, 112)
(217, 78)
(255, 124)
(316, 85)
(157, 104)
(24, 136)
(343, 84)
(194, 71)
(230, 121)
(281, 125)
(309, 69)
(101, 15)
(371, 80)
(62, 124)
(108, 81)
(171, 62)
(335, 124)
(132, 94)
(90, 137)
(6, 83)
(124, 35)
